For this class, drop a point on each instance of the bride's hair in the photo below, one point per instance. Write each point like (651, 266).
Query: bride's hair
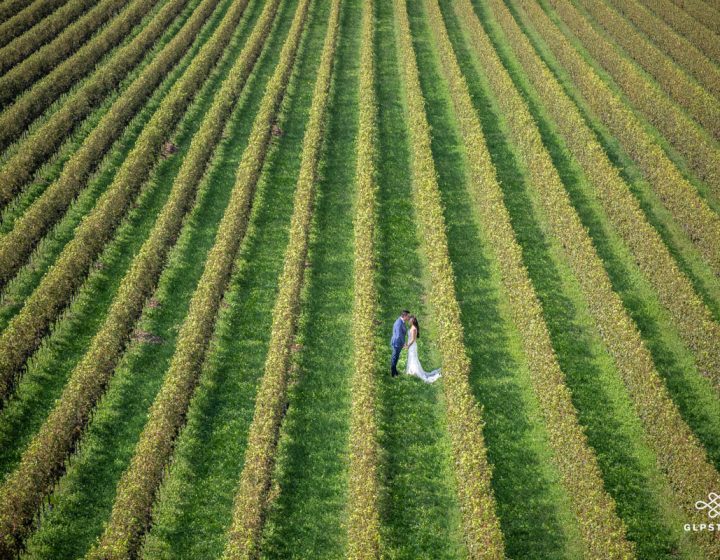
(414, 322)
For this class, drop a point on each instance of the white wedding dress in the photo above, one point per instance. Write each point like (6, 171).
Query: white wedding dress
(414, 367)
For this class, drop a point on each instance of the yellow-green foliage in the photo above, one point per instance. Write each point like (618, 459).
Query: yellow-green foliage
(702, 106)
(23, 333)
(682, 200)
(251, 501)
(685, 54)
(43, 142)
(699, 150)
(10, 8)
(16, 23)
(680, 455)
(66, 73)
(692, 318)
(699, 35)
(23, 490)
(602, 530)
(44, 31)
(16, 246)
(138, 485)
(702, 13)
(483, 537)
(363, 492)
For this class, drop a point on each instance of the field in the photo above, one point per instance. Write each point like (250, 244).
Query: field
(212, 212)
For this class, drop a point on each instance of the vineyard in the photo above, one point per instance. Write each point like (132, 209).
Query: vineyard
(213, 211)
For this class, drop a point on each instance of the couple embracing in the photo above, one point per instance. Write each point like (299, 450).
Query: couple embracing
(398, 343)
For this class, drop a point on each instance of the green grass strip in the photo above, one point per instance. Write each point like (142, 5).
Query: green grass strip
(483, 536)
(138, 486)
(363, 525)
(251, 501)
(307, 517)
(690, 211)
(21, 336)
(419, 510)
(41, 33)
(25, 18)
(39, 465)
(663, 423)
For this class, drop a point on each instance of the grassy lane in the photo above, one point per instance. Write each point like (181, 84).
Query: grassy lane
(78, 505)
(693, 393)
(53, 244)
(307, 518)
(532, 505)
(48, 369)
(613, 429)
(201, 484)
(420, 514)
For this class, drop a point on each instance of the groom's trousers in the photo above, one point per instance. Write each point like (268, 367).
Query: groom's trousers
(394, 359)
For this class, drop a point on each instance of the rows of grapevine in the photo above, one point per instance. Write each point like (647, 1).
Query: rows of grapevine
(212, 211)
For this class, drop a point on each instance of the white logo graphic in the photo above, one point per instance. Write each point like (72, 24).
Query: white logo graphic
(712, 505)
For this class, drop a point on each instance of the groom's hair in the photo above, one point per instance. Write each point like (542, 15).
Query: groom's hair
(404, 312)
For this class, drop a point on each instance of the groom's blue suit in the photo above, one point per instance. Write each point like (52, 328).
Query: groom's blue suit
(396, 343)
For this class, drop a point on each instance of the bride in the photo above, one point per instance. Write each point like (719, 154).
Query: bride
(413, 362)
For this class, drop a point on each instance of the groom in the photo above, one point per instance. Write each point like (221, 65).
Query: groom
(397, 342)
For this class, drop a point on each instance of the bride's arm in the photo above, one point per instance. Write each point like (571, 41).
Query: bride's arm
(411, 338)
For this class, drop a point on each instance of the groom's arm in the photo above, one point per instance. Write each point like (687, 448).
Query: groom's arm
(397, 331)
